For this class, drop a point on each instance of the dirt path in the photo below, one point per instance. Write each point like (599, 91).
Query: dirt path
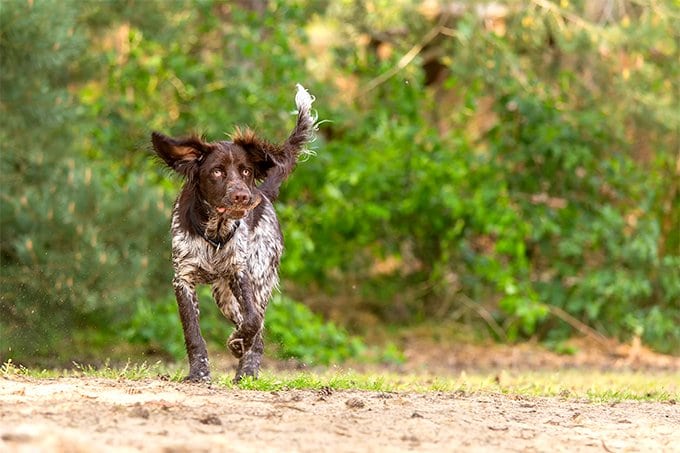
(84, 415)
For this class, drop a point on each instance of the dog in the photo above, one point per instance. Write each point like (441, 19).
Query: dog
(225, 232)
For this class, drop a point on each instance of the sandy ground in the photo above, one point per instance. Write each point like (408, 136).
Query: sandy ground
(86, 414)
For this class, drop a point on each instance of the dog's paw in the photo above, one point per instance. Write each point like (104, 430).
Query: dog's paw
(241, 373)
(241, 340)
(237, 379)
(248, 365)
(237, 347)
(198, 377)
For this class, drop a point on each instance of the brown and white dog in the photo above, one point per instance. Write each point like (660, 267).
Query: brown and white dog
(225, 232)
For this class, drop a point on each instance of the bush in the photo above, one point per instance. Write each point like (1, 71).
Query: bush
(299, 333)
(290, 328)
(495, 162)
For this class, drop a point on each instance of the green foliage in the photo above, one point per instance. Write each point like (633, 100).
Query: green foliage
(291, 328)
(549, 204)
(491, 169)
(299, 333)
(587, 209)
(76, 272)
(156, 325)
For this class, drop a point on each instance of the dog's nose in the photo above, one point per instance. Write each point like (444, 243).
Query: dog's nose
(239, 197)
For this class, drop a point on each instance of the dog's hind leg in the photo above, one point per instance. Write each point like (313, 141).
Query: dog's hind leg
(249, 364)
(235, 300)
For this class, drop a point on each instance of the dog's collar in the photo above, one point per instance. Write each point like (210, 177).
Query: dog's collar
(219, 242)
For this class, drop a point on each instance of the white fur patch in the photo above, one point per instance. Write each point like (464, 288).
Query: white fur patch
(303, 100)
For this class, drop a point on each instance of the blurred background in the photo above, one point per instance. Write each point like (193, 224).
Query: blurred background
(486, 171)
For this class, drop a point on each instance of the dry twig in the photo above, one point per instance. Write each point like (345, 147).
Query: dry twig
(581, 327)
(406, 59)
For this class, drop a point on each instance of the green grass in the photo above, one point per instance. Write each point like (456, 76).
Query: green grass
(590, 385)
(130, 371)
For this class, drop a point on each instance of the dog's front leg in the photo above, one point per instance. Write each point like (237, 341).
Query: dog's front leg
(187, 302)
(248, 332)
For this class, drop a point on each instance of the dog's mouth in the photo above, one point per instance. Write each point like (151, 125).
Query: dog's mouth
(239, 211)
(232, 213)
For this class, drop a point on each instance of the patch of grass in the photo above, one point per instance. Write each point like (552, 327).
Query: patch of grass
(594, 386)
(590, 385)
(130, 371)
(313, 381)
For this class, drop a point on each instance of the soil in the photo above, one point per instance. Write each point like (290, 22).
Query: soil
(88, 414)
(439, 357)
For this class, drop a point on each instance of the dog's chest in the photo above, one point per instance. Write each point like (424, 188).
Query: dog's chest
(250, 251)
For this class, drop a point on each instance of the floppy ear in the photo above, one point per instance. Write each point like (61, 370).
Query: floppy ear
(261, 153)
(182, 155)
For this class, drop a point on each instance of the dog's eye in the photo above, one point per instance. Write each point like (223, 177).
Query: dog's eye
(246, 172)
(217, 173)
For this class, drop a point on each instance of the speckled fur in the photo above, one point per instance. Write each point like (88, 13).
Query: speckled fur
(252, 252)
(225, 232)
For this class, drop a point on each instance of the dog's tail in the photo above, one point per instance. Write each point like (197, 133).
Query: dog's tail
(295, 147)
(304, 127)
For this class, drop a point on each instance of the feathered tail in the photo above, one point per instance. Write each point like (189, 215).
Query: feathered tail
(287, 154)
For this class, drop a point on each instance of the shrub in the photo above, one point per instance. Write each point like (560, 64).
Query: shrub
(291, 329)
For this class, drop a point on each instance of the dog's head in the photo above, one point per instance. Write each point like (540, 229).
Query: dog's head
(223, 175)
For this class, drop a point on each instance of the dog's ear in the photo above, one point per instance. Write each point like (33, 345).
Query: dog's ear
(181, 155)
(261, 153)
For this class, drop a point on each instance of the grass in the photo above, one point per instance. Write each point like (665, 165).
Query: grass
(594, 386)
(590, 385)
